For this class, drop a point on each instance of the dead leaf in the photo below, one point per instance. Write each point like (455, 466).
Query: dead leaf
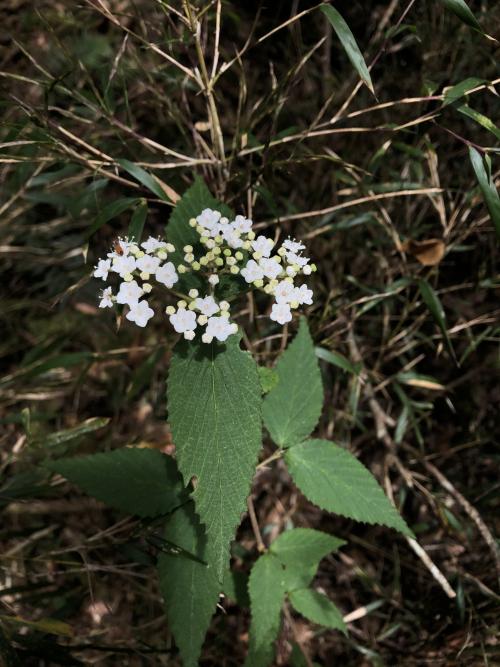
(428, 253)
(170, 192)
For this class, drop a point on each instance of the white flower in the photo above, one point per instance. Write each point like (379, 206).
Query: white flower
(302, 295)
(296, 259)
(220, 328)
(129, 293)
(140, 313)
(263, 245)
(285, 292)
(183, 320)
(148, 264)
(293, 245)
(102, 268)
(189, 335)
(213, 279)
(281, 313)
(106, 298)
(152, 244)
(270, 267)
(208, 218)
(242, 225)
(124, 246)
(167, 275)
(123, 264)
(252, 272)
(207, 306)
(232, 237)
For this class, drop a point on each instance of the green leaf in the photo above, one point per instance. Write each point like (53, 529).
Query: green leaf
(214, 402)
(268, 378)
(480, 119)
(145, 178)
(190, 588)
(300, 551)
(433, 303)
(137, 222)
(336, 359)
(317, 608)
(112, 210)
(462, 11)
(482, 169)
(267, 591)
(67, 434)
(137, 481)
(332, 478)
(304, 546)
(292, 409)
(349, 43)
(461, 89)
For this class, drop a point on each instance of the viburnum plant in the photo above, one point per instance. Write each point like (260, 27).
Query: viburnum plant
(218, 401)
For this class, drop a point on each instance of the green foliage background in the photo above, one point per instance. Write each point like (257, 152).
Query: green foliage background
(92, 106)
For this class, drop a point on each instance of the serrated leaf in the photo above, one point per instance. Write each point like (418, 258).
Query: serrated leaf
(317, 608)
(214, 402)
(292, 409)
(304, 546)
(349, 43)
(300, 551)
(461, 9)
(482, 169)
(266, 587)
(433, 303)
(334, 479)
(144, 482)
(137, 222)
(189, 587)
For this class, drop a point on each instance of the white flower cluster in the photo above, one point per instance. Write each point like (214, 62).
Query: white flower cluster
(225, 247)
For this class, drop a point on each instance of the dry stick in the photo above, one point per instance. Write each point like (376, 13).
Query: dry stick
(382, 434)
(347, 204)
(255, 525)
(470, 510)
(296, 636)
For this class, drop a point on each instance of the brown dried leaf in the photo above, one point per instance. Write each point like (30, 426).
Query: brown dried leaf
(428, 253)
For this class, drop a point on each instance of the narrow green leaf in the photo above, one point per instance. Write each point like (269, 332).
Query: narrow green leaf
(480, 119)
(137, 481)
(292, 409)
(461, 89)
(137, 222)
(482, 169)
(67, 434)
(336, 359)
(142, 376)
(214, 402)
(317, 608)
(433, 303)
(144, 177)
(190, 589)
(267, 591)
(462, 11)
(349, 43)
(112, 210)
(332, 478)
